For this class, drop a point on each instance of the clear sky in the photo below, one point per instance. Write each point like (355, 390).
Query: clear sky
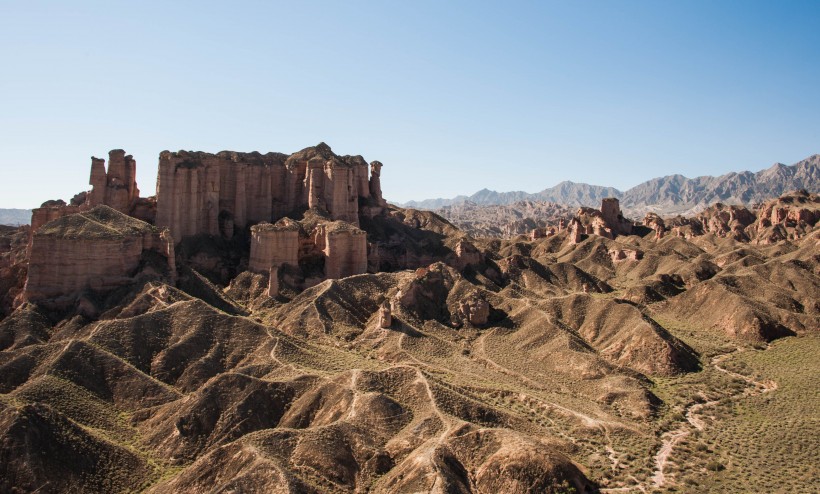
(451, 96)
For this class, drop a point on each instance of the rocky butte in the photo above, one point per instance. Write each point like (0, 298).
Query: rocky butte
(218, 195)
(215, 193)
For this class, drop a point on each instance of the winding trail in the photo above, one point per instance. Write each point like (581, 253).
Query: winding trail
(694, 418)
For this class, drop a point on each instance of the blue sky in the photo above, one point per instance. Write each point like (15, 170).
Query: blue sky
(451, 96)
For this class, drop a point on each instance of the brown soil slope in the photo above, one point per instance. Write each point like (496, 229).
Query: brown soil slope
(540, 365)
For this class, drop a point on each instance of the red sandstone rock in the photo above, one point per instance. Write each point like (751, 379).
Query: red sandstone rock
(274, 245)
(117, 187)
(575, 233)
(345, 248)
(273, 282)
(655, 222)
(787, 217)
(206, 193)
(98, 249)
(608, 222)
(466, 254)
(618, 255)
(375, 182)
(385, 315)
(475, 310)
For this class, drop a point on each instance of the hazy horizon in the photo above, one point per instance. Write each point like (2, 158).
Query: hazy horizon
(451, 98)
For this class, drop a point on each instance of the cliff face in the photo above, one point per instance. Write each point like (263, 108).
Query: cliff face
(73, 247)
(345, 249)
(98, 249)
(215, 193)
(117, 187)
(274, 245)
(340, 245)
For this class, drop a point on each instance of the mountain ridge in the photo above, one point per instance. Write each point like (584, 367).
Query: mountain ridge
(15, 217)
(670, 194)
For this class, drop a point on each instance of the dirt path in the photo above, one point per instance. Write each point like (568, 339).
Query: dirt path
(694, 419)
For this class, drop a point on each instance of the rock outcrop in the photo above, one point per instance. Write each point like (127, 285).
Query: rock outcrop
(608, 222)
(613, 219)
(344, 247)
(385, 315)
(788, 217)
(115, 187)
(217, 193)
(274, 245)
(99, 249)
(341, 246)
(475, 310)
(655, 222)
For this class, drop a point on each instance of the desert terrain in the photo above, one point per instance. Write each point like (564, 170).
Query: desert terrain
(270, 323)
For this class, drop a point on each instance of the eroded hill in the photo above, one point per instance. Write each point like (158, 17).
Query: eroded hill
(600, 356)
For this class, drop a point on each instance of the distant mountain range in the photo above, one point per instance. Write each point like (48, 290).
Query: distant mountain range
(15, 217)
(673, 194)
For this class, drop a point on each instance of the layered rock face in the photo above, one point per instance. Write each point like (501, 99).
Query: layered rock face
(475, 310)
(206, 193)
(51, 210)
(116, 187)
(274, 245)
(342, 246)
(345, 249)
(98, 249)
(788, 217)
(385, 315)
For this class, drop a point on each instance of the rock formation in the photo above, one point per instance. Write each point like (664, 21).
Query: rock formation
(655, 222)
(788, 217)
(215, 193)
(466, 254)
(274, 245)
(344, 247)
(51, 210)
(625, 254)
(510, 366)
(385, 315)
(13, 265)
(575, 231)
(98, 249)
(613, 219)
(475, 310)
(273, 282)
(608, 222)
(116, 187)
